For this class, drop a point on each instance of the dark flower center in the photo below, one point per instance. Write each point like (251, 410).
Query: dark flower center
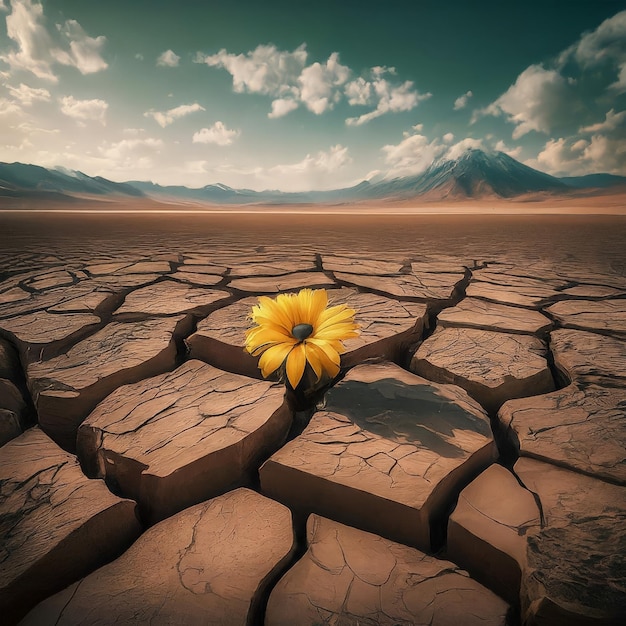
(302, 331)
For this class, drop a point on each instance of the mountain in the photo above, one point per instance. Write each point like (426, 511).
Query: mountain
(594, 180)
(19, 180)
(474, 175)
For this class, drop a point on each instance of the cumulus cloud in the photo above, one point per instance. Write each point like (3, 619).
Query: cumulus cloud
(461, 101)
(566, 93)
(84, 109)
(27, 95)
(168, 59)
(265, 69)
(359, 92)
(611, 122)
(318, 84)
(572, 156)
(322, 162)
(217, 134)
(37, 49)
(606, 45)
(512, 152)
(84, 52)
(286, 77)
(455, 151)
(131, 147)
(9, 108)
(165, 118)
(538, 100)
(387, 96)
(282, 107)
(412, 155)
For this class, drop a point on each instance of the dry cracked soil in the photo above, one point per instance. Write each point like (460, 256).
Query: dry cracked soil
(466, 467)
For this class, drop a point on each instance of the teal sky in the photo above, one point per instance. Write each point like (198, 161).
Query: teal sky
(309, 95)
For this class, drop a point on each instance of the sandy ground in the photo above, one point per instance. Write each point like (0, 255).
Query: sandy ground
(603, 203)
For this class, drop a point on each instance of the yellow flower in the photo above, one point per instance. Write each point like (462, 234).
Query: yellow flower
(296, 328)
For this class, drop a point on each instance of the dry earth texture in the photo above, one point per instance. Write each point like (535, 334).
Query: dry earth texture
(467, 467)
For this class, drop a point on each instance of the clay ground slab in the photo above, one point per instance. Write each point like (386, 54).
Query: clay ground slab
(605, 315)
(589, 358)
(491, 366)
(580, 428)
(385, 326)
(385, 453)
(177, 439)
(57, 525)
(348, 576)
(169, 298)
(66, 388)
(475, 313)
(568, 571)
(209, 564)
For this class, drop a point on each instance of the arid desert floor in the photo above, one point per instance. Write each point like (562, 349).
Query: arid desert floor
(468, 466)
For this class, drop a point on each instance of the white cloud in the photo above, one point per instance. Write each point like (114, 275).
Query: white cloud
(84, 53)
(139, 56)
(606, 41)
(412, 155)
(25, 27)
(38, 49)
(290, 82)
(461, 101)
(168, 59)
(325, 169)
(84, 109)
(165, 118)
(282, 107)
(265, 69)
(572, 157)
(605, 45)
(9, 107)
(27, 95)
(130, 148)
(448, 137)
(359, 92)
(512, 152)
(389, 98)
(455, 151)
(313, 171)
(611, 122)
(217, 134)
(319, 83)
(606, 154)
(129, 155)
(324, 162)
(3, 7)
(538, 100)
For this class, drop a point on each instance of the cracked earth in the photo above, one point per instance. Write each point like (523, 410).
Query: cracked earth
(467, 467)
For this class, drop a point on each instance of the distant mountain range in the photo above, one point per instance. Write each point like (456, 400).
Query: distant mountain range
(474, 175)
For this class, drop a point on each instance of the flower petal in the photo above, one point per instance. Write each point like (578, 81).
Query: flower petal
(335, 315)
(327, 348)
(273, 311)
(320, 361)
(296, 362)
(337, 332)
(273, 358)
(267, 334)
(286, 303)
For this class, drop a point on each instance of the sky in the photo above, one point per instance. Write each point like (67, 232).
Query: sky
(297, 95)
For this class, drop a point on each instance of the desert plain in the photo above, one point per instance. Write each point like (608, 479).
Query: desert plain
(466, 467)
